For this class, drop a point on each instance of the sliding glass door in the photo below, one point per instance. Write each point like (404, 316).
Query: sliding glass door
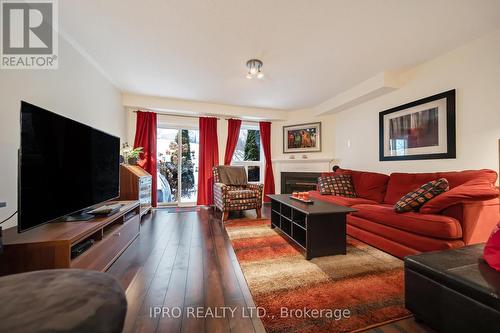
(177, 150)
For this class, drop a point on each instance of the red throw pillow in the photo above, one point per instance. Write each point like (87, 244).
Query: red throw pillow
(340, 185)
(476, 189)
(417, 198)
(492, 249)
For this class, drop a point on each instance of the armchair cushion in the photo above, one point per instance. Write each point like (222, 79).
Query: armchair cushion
(242, 194)
(232, 198)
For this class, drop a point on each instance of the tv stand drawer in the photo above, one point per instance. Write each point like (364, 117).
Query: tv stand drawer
(104, 252)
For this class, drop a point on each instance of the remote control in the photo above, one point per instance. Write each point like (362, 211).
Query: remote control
(106, 209)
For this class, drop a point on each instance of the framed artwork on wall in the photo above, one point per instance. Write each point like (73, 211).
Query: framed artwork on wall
(302, 138)
(420, 130)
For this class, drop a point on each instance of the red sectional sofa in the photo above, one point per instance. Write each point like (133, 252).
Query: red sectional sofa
(464, 215)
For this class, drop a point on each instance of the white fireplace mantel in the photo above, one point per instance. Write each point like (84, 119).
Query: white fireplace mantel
(300, 165)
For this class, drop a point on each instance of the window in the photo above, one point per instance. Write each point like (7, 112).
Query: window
(248, 153)
(398, 146)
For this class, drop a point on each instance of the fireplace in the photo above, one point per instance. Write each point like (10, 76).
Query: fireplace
(298, 181)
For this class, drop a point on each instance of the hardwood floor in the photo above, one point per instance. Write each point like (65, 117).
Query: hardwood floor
(402, 326)
(185, 260)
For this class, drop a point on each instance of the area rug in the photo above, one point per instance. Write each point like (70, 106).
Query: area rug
(366, 281)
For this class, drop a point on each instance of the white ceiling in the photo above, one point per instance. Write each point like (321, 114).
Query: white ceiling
(312, 49)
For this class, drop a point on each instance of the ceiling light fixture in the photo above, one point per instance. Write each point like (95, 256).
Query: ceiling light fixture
(254, 69)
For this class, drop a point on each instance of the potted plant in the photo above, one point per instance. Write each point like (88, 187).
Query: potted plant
(129, 155)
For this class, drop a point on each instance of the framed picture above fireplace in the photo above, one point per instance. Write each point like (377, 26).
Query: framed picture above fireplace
(420, 130)
(302, 138)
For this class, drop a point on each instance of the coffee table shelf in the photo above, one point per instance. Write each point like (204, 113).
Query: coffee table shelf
(320, 228)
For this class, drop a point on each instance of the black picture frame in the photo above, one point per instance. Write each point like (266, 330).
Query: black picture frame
(450, 153)
(317, 149)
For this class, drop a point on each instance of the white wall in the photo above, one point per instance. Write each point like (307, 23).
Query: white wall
(194, 108)
(76, 90)
(474, 71)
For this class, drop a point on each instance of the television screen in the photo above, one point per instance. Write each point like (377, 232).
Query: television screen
(64, 167)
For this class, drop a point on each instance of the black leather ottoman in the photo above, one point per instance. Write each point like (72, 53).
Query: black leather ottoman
(453, 290)
(63, 301)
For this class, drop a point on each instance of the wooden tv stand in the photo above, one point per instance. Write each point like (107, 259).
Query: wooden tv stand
(49, 246)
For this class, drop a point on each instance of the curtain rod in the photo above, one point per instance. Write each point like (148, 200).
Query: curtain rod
(189, 116)
(176, 115)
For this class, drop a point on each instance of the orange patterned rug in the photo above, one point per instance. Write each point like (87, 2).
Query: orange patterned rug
(341, 293)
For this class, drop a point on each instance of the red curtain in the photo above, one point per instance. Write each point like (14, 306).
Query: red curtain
(233, 131)
(145, 137)
(265, 136)
(208, 158)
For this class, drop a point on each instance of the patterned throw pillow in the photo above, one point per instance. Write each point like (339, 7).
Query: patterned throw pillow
(340, 185)
(416, 199)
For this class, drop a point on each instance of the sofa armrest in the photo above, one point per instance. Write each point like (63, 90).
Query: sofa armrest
(476, 190)
(221, 187)
(220, 196)
(478, 218)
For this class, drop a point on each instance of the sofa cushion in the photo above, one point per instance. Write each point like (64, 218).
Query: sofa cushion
(417, 198)
(338, 200)
(340, 185)
(431, 225)
(368, 185)
(371, 185)
(402, 183)
(473, 190)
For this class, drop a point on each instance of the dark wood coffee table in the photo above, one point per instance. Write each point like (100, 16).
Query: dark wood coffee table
(319, 228)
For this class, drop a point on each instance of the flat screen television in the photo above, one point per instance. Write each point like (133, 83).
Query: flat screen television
(64, 167)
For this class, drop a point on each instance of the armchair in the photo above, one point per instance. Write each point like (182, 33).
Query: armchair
(232, 192)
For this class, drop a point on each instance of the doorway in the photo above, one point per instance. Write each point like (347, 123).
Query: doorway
(177, 155)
